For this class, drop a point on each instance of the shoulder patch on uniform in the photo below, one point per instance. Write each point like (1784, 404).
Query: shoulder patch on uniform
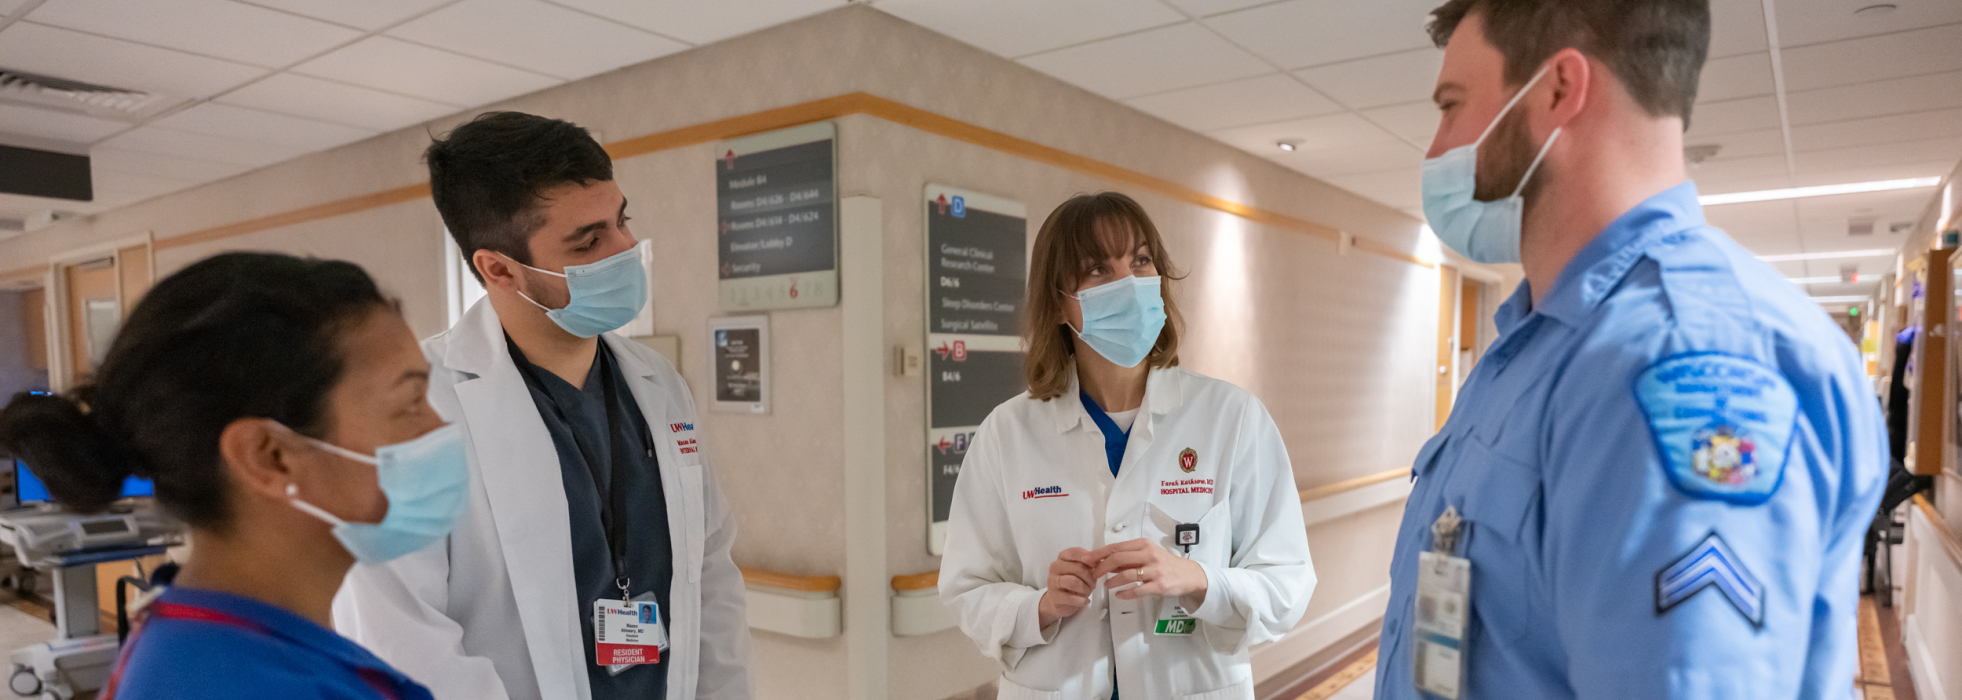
(1710, 564)
(1722, 424)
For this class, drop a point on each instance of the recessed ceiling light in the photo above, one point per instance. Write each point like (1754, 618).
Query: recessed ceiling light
(1817, 191)
(1287, 145)
(1878, 10)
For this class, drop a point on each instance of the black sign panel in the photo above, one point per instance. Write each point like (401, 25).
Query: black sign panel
(776, 201)
(977, 279)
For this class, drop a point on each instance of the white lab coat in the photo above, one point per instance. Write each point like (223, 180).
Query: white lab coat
(490, 612)
(1007, 526)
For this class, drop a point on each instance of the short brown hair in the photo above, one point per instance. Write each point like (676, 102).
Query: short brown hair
(1086, 229)
(1656, 48)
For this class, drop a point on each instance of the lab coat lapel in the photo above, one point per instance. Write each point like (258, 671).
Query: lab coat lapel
(681, 484)
(519, 467)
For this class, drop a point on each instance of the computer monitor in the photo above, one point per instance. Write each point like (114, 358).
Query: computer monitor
(31, 490)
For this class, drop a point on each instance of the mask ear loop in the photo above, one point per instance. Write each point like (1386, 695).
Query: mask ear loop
(293, 498)
(527, 297)
(1503, 111)
(1555, 136)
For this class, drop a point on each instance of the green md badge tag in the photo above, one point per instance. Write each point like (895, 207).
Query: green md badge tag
(1173, 619)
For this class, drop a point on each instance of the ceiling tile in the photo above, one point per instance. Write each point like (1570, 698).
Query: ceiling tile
(245, 124)
(409, 69)
(7, 7)
(1732, 116)
(76, 56)
(366, 14)
(1303, 33)
(536, 36)
(1415, 122)
(1205, 8)
(1712, 176)
(1736, 27)
(1267, 98)
(1917, 94)
(1315, 133)
(1158, 60)
(1748, 75)
(1802, 22)
(1377, 81)
(154, 165)
(60, 126)
(1901, 54)
(1357, 159)
(1755, 219)
(218, 28)
(329, 101)
(170, 142)
(1396, 189)
(1906, 153)
(1016, 28)
(1744, 144)
(702, 22)
(1888, 129)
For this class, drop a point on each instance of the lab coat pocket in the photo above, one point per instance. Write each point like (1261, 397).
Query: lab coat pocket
(1497, 495)
(1215, 546)
(1242, 690)
(1008, 690)
(694, 519)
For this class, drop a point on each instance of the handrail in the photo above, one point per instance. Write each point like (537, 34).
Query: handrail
(1950, 542)
(1342, 487)
(788, 581)
(916, 582)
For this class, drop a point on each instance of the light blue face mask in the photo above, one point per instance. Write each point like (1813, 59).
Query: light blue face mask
(1487, 232)
(1122, 319)
(425, 480)
(605, 295)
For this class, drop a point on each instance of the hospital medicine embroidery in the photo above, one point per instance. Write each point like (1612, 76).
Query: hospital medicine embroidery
(1721, 424)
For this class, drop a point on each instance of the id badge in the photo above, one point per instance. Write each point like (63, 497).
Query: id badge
(1174, 619)
(1443, 609)
(628, 633)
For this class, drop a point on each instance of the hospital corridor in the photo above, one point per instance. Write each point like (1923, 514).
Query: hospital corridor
(981, 349)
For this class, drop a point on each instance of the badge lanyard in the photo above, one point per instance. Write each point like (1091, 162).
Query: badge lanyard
(622, 628)
(1443, 609)
(1173, 618)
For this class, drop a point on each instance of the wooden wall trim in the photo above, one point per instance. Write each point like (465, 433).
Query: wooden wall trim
(804, 113)
(1342, 487)
(788, 581)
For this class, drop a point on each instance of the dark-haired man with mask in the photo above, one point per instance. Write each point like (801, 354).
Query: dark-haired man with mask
(592, 561)
(1655, 483)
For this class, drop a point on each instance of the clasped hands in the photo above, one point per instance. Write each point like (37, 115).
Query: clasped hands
(1136, 567)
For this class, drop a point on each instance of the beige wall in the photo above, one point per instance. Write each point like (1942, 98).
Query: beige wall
(1338, 347)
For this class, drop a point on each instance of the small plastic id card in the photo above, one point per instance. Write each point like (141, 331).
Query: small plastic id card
(1443, 608)
(629, 633)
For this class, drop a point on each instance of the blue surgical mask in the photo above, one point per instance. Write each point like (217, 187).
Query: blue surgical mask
(1121, 320)
(605, 295)
(425, 480)
(1486, 232)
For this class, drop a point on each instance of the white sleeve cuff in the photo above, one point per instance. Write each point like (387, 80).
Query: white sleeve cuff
(1218, 608)
(1029, 631)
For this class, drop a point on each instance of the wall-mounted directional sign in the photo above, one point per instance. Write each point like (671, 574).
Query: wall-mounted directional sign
(976, 282)
(776, 199)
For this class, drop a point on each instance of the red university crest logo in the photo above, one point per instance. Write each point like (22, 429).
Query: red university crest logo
(1188, 460)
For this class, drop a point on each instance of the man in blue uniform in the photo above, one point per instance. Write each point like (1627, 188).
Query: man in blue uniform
(1655, 483)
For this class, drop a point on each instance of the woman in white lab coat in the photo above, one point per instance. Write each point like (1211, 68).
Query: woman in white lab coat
(1126, 525)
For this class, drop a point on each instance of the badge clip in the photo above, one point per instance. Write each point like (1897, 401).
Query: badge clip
(1186, 535)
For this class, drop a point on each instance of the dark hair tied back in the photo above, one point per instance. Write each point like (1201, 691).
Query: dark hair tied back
(236, 335)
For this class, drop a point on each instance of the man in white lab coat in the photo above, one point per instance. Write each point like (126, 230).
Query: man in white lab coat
(591, 510)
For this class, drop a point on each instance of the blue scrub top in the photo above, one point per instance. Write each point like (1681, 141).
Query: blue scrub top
(1667, 468)
(218, 646)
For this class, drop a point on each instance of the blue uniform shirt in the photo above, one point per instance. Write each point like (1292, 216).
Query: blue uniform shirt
(1666, 469)
(217, 646)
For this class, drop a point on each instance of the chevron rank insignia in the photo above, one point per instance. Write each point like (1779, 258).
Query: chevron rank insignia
(1710, 564)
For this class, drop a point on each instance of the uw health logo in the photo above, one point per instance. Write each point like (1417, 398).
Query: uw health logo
(678, 427)
(1044, 492)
